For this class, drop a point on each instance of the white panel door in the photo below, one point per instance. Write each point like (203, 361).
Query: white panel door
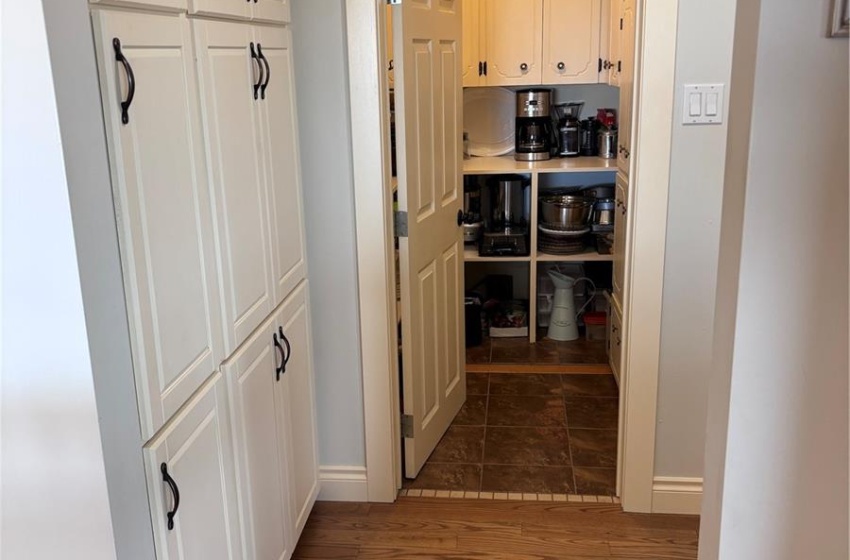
(239, 9)
(299, 414)
(429, 117)
(620, 234)
(472, 55)
(192, 482)
(254, 376)
(282, 164)
(571, 30)
(514, 39)
(162, 203)
(230, 78)
(627, 86)
(275, 11)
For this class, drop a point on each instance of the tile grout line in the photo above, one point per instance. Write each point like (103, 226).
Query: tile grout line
(484, 442)
(569, 440)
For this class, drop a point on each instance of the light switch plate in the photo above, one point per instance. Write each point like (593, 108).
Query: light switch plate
(703, 104)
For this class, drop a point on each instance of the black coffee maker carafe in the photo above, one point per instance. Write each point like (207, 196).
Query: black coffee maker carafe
(534, 131)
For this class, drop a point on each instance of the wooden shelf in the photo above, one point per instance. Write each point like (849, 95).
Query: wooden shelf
(470, 254)
(590, 255)
(507, 164)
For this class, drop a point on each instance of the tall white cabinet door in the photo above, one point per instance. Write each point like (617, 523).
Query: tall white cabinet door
(273, 11)
(280, 151)
(514, 39)
(620, 233)
(258, 395)
(162, 203)
(627, 86)
(472, 55)
(239, 9)
(571, 30)
(294, 328)
(192, 459)
(232, 117)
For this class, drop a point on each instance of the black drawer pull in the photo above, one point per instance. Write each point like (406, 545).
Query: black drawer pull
(260, 66)
(288, 348)
(175, 493)
(131, 81)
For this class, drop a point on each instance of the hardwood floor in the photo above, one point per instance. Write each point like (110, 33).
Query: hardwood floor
(421, 528)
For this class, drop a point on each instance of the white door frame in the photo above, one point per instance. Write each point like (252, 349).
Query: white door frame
(654, 93)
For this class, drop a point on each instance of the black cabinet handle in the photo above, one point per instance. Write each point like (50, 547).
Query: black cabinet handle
(174, 491)
(288, 348)
(268, 71)
(260, 66)
(131, 81)
(282, 367)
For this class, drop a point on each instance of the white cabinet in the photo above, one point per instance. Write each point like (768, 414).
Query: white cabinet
(620, 235)
(514, 42)
(162, 204)
(626, 82)
(571, 31)
(246, 87)
(272, 11)
(282, 172)
(611, 60)
(473, 60)
(170, 5)
(271, 380)
(259, 397)
(615, 340)
(303, 459)
(192, 482)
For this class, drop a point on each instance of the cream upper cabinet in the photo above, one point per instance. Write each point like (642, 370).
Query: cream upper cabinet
(627, 85)
(231, 76)
(174, 5)
(390, 64)
(514, 42)
(571, 31)
(620, 234)
(165, 221)
(473, 59)
(612, 63)
(281, 161)
(272, 11)
(192, 486)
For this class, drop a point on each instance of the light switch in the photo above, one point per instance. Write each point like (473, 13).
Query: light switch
(711, 105)
(695, 105)
(703, 104)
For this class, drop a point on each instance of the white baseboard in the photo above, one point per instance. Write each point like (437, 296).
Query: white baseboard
(676, 495)
(343, 484)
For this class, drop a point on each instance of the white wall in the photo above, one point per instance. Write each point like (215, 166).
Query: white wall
(703, 55)
(325, 136)
(779, 489)
(54, 497)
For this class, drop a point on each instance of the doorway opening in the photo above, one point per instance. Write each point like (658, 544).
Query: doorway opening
(536, 325)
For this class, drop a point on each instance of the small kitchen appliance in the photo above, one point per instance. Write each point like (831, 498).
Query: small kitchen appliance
(506, 231)
(566, 117)
(607, 143)
(589, 137)
(533, 125)
(473, 224)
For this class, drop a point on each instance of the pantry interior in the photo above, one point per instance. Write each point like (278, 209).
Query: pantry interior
(582, 54)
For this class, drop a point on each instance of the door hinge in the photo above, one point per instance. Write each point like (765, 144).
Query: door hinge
(400, 223)
(406, 426)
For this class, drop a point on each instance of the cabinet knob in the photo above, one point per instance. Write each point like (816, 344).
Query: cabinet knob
(523, 67)
(561, 66)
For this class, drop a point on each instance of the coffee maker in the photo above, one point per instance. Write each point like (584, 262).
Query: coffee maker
(533, 125)
(506, 230)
